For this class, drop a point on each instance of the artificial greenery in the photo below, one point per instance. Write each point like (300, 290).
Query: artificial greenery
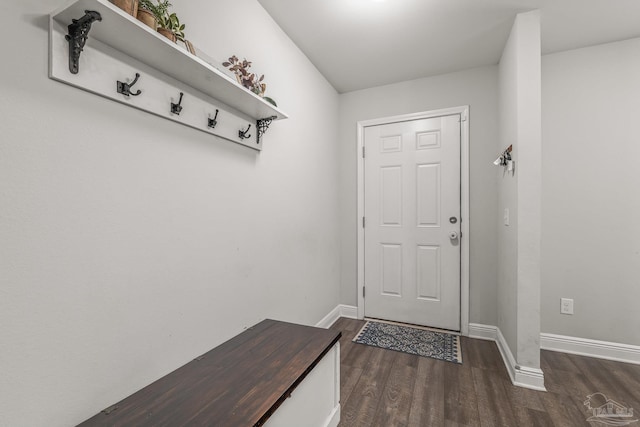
(165, 19)
(249, 80)
(160, 9)
(172, 23)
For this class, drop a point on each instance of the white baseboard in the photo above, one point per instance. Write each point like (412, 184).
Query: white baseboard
(339, 311)
(592, 348)
(483, 332)
(522, 376)
(330, 318)
(348, 311)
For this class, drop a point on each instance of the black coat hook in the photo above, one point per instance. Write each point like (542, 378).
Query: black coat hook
(177, 108)
(242, 134)
(125, 88)
(213, 122)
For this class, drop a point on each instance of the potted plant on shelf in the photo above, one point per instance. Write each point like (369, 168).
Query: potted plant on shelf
(247, 79)
(129, 6)
(150, 12)
(169, 26)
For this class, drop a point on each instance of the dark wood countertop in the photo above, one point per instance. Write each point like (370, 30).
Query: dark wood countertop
(239, 383)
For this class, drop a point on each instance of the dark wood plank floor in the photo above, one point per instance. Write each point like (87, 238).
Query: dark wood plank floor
(387, 388)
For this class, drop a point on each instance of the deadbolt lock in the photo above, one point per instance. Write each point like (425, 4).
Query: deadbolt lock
(453, 220)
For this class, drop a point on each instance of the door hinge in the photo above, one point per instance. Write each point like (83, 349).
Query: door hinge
(363, 291)
(363, 222)
(363, 155)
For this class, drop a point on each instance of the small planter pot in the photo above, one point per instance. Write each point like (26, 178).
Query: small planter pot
(147, 18)
(129, 6)
(168, 34)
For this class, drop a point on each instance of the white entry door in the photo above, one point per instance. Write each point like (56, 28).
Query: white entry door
(412, 222)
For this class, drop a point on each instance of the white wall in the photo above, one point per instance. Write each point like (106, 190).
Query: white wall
(519, 242)
(477, 88)
(529, 144)
(508, 195)
(131, 244)
(591, 182)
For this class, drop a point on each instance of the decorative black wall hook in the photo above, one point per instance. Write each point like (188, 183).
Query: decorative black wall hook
(125, 88)
(263, 125)
(78, 33)
(177, 108)
(506, 156)
(242, 134)
(213, 122)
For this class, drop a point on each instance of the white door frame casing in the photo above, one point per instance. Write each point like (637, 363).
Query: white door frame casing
(464, 201)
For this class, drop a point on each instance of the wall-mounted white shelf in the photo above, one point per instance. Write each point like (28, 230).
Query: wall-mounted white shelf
(119, 46)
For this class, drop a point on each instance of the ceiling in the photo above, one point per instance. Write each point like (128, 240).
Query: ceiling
(357, 44)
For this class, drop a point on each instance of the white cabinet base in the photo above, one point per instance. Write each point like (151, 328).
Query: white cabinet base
(316, 400)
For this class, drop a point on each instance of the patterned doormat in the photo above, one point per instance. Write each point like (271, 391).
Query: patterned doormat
(411, 339)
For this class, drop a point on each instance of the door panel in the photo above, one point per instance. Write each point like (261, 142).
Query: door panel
(412, 188)
(428, 195)
(391, 262)
(391, 195)
(428, 263)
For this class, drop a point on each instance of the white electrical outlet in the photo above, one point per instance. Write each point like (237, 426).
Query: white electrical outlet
(506, 216)
(566, 306)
